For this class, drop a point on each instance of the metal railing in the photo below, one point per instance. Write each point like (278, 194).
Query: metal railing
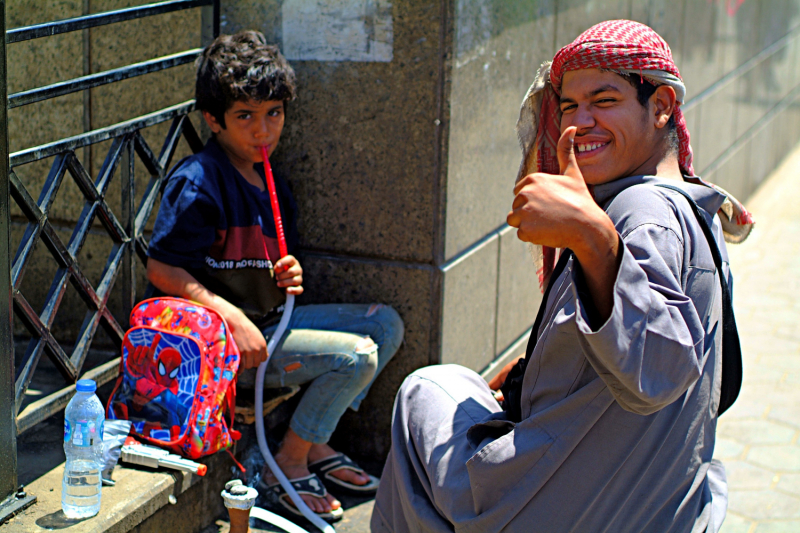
(125, 229)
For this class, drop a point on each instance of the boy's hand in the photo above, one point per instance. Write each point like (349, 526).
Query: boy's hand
(289, 274)
(175, 280)
(251, 342)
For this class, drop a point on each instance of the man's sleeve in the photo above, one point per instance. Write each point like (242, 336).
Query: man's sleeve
(650, 349)
(185, 227)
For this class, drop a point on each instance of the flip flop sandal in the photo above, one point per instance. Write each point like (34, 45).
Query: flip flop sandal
(325, 468)
(310, 485)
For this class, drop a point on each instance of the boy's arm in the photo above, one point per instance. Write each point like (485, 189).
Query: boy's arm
(177, 281)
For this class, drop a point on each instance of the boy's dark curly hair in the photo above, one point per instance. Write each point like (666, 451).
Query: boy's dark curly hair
(241, 67)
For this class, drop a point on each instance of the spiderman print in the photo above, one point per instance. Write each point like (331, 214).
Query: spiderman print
(151, 385)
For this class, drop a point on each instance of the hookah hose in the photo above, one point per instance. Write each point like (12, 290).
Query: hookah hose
(271, 345)
(273, 200)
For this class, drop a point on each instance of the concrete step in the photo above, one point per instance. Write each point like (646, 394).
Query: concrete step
(146, 501)
(142, 501)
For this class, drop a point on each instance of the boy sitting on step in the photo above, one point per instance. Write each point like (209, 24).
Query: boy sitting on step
(214, 242)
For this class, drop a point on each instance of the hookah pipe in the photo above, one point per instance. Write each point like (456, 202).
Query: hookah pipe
(273, 199)
(239, 501)
(271, 345)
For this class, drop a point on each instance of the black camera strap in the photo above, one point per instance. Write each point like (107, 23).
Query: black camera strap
(512, 387)
(731, 348)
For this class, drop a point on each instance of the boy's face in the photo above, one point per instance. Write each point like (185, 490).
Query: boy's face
(616, 136)
(248, 126)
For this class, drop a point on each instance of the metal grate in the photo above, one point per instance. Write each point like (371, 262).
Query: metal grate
(125, 235)
(125, 229)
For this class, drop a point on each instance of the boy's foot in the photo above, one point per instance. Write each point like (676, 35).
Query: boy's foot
(323, 451)
(295, 471)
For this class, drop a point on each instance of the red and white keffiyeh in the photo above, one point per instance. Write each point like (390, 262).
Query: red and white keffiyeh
(622, 46)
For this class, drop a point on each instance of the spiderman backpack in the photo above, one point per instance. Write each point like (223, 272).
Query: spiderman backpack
(177, 377)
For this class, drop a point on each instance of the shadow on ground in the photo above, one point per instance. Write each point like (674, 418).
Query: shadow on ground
(57, 520)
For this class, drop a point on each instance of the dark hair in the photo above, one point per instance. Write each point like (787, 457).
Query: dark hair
(241, 67)
(644, 90)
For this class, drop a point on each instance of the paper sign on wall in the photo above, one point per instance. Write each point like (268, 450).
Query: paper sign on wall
(337, 30)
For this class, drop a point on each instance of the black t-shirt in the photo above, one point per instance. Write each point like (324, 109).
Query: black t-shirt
(220, 228)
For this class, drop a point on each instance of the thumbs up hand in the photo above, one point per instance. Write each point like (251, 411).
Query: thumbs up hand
(559, 212)
(554, 210)
(565, 151)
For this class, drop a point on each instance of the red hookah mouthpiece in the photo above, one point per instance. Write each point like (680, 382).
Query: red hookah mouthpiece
(273, 199)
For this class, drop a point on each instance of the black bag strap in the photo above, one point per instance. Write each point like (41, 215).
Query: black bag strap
(731, 348)
(512, 386)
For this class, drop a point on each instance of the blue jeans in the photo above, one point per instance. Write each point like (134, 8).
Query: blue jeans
(321, 346)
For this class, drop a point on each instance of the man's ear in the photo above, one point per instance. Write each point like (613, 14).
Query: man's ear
(213, 123)
(664, 103)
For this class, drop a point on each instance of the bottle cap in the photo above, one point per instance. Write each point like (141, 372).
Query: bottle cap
(86, 385)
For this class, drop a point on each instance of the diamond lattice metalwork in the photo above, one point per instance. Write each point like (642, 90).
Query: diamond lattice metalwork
(125, 231)
(124, 227)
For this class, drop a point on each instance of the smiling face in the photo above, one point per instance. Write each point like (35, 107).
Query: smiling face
(248, 126)
(617, 137)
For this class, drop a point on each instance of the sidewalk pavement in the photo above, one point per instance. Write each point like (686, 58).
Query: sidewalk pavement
(757, 439)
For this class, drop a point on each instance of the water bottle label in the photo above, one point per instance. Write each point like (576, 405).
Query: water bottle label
(77, 434)
(87, 432)
(67, 430)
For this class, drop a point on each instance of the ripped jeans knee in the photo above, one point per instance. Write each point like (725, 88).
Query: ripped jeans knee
(330, 394)
(366, 355)
(338, 349)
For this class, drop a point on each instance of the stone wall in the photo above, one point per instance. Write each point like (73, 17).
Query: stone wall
(401, 147)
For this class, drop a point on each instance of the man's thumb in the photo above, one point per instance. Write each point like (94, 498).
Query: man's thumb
(567, 163)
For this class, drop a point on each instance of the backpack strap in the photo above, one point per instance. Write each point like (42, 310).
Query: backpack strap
(230, 406)
(731, 348)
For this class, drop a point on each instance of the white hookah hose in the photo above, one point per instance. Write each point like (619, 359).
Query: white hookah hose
(276, 520)
(262, 441)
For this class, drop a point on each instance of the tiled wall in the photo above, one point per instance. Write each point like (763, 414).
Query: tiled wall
(739, 61)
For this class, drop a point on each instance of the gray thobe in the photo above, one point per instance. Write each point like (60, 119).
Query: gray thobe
(618, 421)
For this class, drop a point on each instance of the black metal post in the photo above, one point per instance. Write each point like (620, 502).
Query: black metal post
(8, 440)
(128, 221)
(11, 500)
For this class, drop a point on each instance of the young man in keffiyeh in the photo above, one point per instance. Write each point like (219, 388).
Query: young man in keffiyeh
(612, 424)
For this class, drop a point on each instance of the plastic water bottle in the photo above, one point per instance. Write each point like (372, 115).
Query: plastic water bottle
(83, 446)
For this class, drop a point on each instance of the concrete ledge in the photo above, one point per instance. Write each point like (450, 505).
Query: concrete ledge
(138, 495)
